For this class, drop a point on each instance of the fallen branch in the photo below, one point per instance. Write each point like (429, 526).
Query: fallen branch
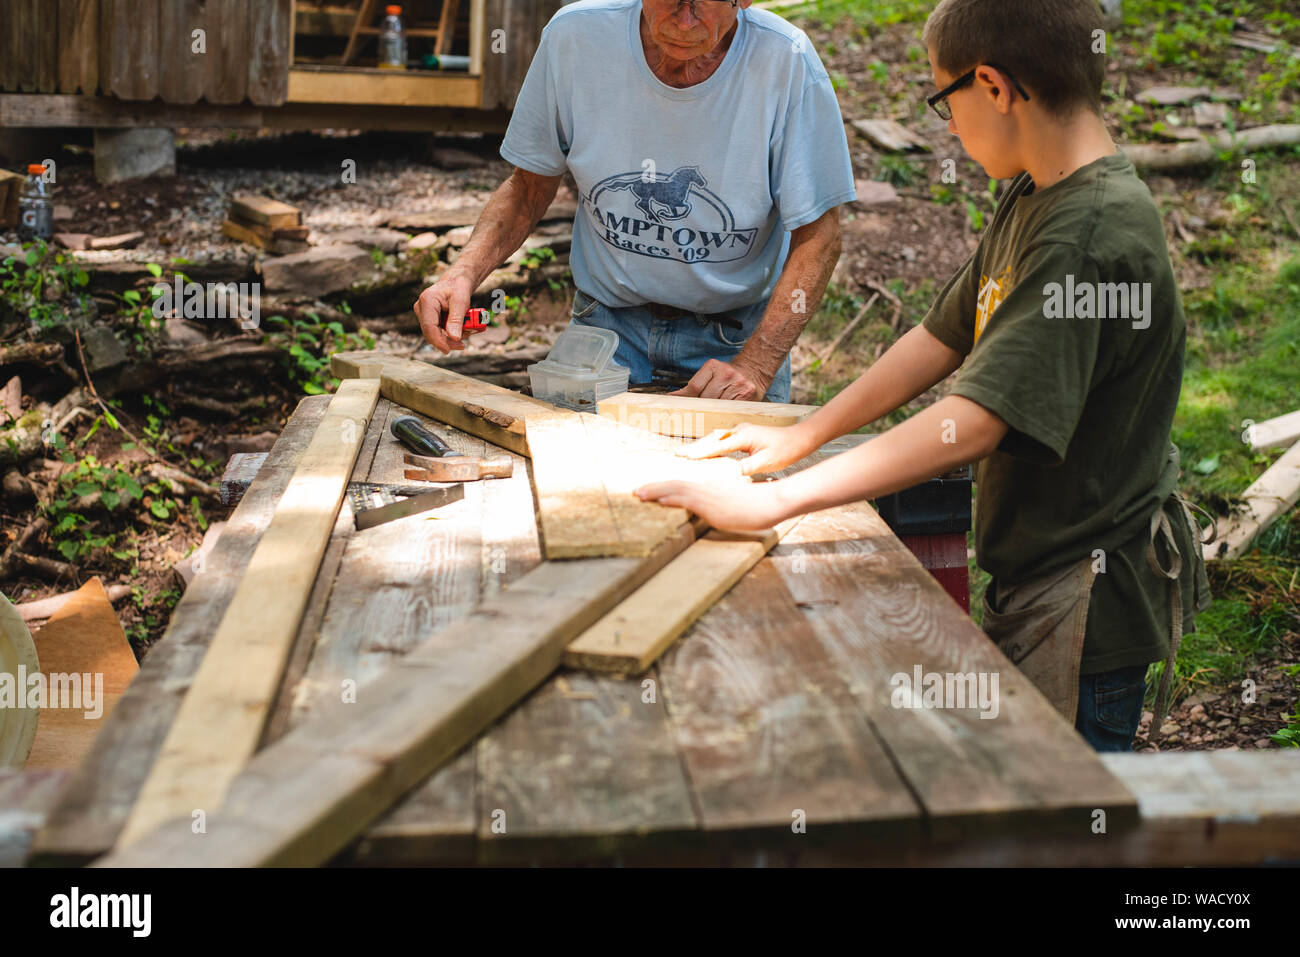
(35, 353)
(45, 567)
(177, 481)
(108, 414)
(848, 330)
(45, 607)
(1205, 151)
(209, 404)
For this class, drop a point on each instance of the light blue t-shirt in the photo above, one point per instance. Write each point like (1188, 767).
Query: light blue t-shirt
(686, 196)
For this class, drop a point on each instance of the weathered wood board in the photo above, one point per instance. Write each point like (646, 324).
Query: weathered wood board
(585, 470)
(694, 417)
(481, 409)
(1276, 491)
(241, 673)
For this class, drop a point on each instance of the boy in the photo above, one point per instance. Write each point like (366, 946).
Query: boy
(1069, 332)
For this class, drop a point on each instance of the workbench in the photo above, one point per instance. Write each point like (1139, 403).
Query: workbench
(767, 734)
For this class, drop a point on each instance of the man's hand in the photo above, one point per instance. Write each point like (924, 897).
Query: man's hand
(727, 507)
(771, 448)
(727, 380)
(448, 297)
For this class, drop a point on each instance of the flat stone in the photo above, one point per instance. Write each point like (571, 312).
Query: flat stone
(317, 272)
(874, 193)
(459, 236)
(449, 157)
(424, 241)
(1210, 114)
(180, 333)
(102, 348)
(133, 154)
(386, 240)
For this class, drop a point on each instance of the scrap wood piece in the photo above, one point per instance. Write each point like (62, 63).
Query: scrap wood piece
(631, 637)
(585, 469)
(224, 712)
(306, 796)
(1280, 432)
(1263, 503)
(688, 417)
(46, 607)
(17, 654)
(1201, 152)
(87, 663)
(890, 135)
(479, 408)
(264, 211)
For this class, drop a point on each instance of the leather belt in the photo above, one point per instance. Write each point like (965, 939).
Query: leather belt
(670, 313)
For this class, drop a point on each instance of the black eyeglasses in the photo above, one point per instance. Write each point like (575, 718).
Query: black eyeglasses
(939, 102)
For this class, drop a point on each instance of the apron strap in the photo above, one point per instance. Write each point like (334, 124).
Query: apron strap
(1161, 529)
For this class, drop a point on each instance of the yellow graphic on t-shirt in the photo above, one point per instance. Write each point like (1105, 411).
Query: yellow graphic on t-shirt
(992, 292)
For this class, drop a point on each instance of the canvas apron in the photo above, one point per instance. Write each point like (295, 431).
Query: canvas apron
(1042, 621)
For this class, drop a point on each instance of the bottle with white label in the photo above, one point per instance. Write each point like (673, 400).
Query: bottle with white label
(392, 40)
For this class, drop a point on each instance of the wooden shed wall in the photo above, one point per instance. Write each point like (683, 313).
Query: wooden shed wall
(522, 21)
(142, 49)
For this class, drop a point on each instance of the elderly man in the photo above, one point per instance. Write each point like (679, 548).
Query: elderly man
(710, 159)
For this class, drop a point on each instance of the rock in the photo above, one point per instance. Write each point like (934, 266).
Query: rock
(874, 193)
(133, 154)
(180, 333)
(1174, 95)
(463, 215)
(1201, 697)
(386, 240)
(1225, 723)
(1169, 727)
(495, 334)
(425, 241)
(75, 241)
(459, 236)
(1197, 712)
(449, 157)
(62, 213)
(11, 398)
(317, 272)
(102, 348)
(1210, 114)
(1263, 743)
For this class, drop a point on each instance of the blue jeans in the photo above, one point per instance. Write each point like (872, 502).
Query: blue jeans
(1110, 707)
(675, 348)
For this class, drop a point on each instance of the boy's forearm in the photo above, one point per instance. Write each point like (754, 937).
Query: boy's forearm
(953, 432)
(910, 366)
(509, 217)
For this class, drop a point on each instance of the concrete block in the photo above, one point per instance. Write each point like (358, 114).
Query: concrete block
(133, 154)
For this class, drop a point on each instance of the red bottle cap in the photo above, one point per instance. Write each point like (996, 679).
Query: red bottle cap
(393, 10)
(35, 169)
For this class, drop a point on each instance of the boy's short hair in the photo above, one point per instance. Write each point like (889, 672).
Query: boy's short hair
(1046, 44)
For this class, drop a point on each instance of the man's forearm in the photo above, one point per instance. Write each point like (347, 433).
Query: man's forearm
(952, 432)
(913, 364)
(814, 250)
(509, 217)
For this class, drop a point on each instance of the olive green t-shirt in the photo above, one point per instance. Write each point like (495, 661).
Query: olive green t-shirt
(1070, 319)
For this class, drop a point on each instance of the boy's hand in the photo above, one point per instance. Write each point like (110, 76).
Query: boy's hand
(731, 507)
(771, 448)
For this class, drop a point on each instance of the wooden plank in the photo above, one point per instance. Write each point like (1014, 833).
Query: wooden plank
(305, 797)
(40, 110)
(584, 769)
(183, 74)
(632, 636)
(488, 411)
(1280, 432)
(234, 687)
(87, 820)
(257, 236)
(348, 86)
(129, 52)
(9, 39)
(22, 46)
(228, 50)
(268, 63)
(83, 638)
(265, 211)
(769, 731)
(694, 417)
(46, 41)
(25, 799)
(585, 470)
(879, 615)
(1267, 500)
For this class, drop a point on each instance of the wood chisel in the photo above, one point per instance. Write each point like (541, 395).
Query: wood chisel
(460, 468)
(374, 504)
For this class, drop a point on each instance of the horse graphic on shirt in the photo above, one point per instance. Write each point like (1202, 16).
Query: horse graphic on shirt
(664, 199)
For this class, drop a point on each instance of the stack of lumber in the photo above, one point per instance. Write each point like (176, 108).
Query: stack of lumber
(267, 224)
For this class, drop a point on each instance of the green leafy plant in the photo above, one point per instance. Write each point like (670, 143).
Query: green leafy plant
(307, 344)
(44, 286)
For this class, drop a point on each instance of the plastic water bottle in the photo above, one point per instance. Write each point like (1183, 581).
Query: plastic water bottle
(35, 211)
(392, 40)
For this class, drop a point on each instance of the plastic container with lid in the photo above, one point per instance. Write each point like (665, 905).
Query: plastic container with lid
(580, 370)
(392, 40)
